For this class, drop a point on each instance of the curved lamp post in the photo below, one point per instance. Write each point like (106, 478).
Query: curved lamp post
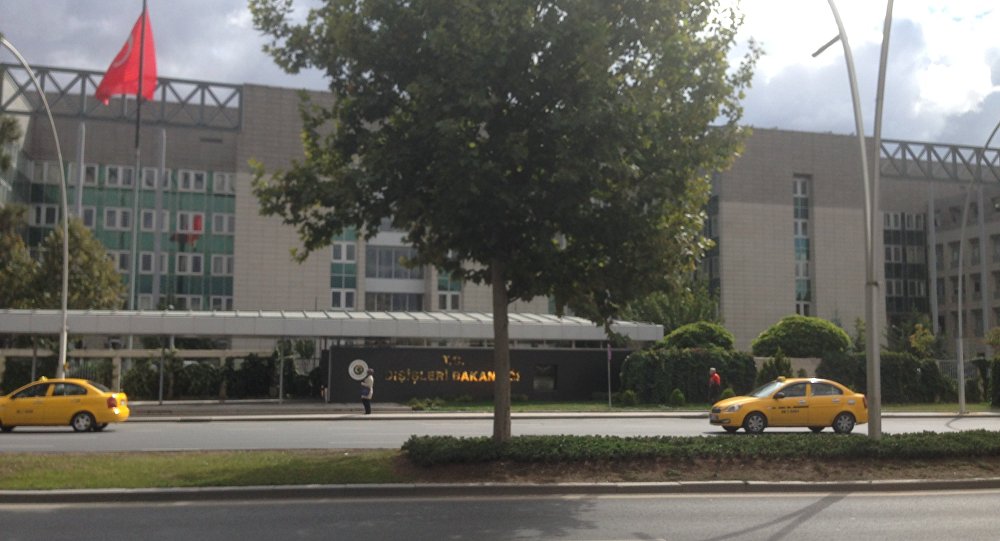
(64, 329)
(874, 390)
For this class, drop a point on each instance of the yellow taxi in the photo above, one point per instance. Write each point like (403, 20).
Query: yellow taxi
(83, 404)
(808, 402)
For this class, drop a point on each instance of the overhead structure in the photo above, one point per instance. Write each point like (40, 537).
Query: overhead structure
(321, 324)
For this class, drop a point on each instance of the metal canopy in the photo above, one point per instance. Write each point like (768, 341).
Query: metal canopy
(319, 324)
(929, 161)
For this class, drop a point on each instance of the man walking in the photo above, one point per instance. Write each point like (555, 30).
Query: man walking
(367, 390)
(714, 386)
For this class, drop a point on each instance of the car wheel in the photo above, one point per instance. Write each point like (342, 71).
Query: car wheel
(844, 423)
(82, 422)
(731, 429)
(755, 423)
(816, 429)
(100, 426)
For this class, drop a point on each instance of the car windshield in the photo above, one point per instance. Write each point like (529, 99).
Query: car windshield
(766, 389)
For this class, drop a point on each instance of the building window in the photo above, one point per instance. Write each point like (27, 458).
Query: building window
(222, 265)
(801, 235)
(343, 252)
(44, 215)
(190, 222)
(387, 262)
(150, 176)
(953, 247)
(222, 183)
(222, 303)
(89, 174)
(145, 302)
(188, 264)
(146, 260)
(89, 217)
(191, 181)
(187, 302)
(449, 301)
(223, 224)
(974, 251)
(394, 302)
(117, 219)
(121, 259)
(118, 176)
(148, 217)
(342, 299)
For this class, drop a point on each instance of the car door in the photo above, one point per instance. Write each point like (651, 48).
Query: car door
(67, 399)
(27, 406)
(825, 402)
(790, 406)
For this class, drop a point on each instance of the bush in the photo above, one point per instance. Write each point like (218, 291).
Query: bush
(628, 398)
(905, 378)
(728, 392)
(18, 371)
(677, 398)
(701, 334)
(435, 450)
(141, 381)
(973, 392)
(801, 336)
(653, 374)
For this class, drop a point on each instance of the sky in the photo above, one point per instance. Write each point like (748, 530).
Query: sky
(943, 76)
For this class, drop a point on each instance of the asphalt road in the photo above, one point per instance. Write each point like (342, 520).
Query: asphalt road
(969, 516)
(387, 431)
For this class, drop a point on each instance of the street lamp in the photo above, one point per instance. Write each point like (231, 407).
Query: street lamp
(64, 299)
(874, 391)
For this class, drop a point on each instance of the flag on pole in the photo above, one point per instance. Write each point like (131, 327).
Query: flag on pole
(136, 59)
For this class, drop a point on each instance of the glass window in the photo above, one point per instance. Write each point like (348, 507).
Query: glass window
(795, 390)
(825, 389)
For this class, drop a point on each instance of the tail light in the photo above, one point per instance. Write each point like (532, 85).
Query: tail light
(112, 402)
(865, 400)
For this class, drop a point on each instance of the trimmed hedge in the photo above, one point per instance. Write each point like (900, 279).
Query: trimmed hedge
(701, 334)
(654, 374)
(439, 450)
(905, 378)
(801, 336)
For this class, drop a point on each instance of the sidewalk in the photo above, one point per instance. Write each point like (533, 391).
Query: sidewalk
(297, 410)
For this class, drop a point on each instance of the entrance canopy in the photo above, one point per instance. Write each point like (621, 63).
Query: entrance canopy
(318, 324)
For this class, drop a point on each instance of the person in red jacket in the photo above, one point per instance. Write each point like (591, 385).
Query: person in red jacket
(714, 386)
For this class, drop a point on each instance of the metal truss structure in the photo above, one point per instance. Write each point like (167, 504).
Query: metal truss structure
(70, 92)
(929, 161)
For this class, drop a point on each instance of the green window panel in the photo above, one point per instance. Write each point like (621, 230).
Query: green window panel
(189, 285)
(348, 234)
(221, 285)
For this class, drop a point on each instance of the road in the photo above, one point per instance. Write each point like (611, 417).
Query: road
(969, 516)
(390, 431)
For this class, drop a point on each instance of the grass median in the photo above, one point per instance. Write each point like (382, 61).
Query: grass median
(528, 459)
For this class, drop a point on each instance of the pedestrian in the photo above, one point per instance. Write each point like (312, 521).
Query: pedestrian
(368, 390)
(714, 386)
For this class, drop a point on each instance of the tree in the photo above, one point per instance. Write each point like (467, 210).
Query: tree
(94, 282)
(702, 334)
(552, 147)
(688, 302)
(17, 268)
(801, 336)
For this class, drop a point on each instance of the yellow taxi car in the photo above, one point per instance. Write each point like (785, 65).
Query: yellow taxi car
(808, 402)
(83, 404)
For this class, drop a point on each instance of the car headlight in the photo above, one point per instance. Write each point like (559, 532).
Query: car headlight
(734, 408)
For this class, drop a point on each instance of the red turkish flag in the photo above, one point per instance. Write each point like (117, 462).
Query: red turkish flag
(123, 74)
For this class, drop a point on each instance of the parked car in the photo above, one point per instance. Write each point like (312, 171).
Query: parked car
(808, 402)
(82, 404)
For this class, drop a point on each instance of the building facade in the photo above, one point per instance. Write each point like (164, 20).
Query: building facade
(787, 218)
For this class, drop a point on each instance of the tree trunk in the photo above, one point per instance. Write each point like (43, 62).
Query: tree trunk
(501, 355)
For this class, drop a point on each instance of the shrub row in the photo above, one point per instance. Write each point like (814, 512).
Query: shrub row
(654, 374)
(440, 450)
(905, 378)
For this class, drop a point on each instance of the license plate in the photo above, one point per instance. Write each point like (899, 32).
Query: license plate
(714, 417)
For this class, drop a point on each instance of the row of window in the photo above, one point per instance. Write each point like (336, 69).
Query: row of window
(343, 299)
(190, 302)
(120, 219)
(185, 264)
(899, 221)
(122, 176)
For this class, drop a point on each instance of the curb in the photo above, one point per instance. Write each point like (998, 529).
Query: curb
(482, 490)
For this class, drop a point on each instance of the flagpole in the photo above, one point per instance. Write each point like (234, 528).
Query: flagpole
(137, 175)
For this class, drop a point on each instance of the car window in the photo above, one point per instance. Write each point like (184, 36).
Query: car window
(41, 389)
(69, 389)
(766, 389)
(795, 389)
(825, 389)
